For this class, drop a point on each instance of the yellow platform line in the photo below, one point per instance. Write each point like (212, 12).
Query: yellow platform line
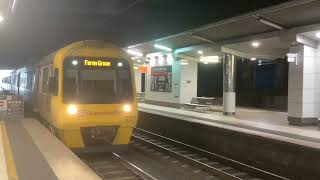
(11, 166)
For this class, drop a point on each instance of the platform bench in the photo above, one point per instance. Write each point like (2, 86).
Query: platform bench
(205, 103)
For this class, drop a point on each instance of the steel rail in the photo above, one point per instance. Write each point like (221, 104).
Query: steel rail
(223, 167)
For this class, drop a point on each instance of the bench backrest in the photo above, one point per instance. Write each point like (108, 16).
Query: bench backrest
(202, 101)
(194, 100)
(207, 101)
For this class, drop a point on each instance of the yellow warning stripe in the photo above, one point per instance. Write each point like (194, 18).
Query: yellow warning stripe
(11, 166)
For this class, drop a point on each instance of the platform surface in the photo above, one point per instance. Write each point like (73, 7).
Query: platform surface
(269, 124)
(38, 154)
(3, 165)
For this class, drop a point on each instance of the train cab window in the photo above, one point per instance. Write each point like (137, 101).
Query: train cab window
(96, 85)
(44, 80)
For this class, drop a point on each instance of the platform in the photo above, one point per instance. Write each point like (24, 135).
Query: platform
(28, 151)
(264, 123)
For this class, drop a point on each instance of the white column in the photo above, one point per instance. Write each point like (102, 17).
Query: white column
(229, 95)
(304, 86)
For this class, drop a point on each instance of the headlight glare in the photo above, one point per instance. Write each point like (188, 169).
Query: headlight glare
(127, 108)
(72, 109)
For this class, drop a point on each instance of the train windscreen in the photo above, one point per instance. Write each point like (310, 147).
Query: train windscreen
(96, 81)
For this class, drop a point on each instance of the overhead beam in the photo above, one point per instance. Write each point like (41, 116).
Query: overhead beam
(285, 35)
(306, 41)
(274, 55)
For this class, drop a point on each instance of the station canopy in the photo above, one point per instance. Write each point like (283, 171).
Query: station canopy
(275, 28)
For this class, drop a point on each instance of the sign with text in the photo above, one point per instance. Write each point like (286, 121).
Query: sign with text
(161, 79)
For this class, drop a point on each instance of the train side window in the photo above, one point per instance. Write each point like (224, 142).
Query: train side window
(44, 80)
(29, 79)
(54, 82)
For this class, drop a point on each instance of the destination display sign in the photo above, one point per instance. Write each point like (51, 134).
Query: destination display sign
(96, 63)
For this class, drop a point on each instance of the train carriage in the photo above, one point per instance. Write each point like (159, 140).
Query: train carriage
(85, 91)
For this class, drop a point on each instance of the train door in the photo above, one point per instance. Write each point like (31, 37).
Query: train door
(18, 84)
(44, 97)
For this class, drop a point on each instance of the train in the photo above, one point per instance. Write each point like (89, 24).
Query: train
(85, 92)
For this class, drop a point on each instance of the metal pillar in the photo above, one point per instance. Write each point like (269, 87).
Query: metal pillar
(229, 95)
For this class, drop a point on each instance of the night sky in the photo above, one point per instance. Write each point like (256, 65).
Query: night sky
(39, 27)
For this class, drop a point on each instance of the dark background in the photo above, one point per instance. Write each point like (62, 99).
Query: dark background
(261, 86)
(38, 27)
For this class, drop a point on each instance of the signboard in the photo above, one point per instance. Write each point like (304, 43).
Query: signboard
(3, 103)
(161, 79)
(15, 106)
(96, 63)
(142, 69)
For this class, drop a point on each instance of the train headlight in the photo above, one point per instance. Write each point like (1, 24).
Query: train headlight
(72, 109)
(127, 108)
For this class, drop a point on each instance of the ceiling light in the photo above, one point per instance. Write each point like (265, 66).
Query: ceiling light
(138, 60)
(135, 67)
(318, 35)
(162, 47)
(120, 64)
(209, 59)
(200, 52)
(253, 59)
(133, 52)
(135, 58)
(255, 44)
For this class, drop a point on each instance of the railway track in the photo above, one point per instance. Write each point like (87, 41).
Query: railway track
(219, 166)
(114, 167)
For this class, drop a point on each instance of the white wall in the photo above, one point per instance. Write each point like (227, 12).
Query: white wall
(170, 97)
(188, 81)
(137, 77)
(304, 83)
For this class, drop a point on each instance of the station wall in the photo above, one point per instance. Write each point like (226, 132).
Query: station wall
(188, 81)
(169, 97)
(137, 78)
(183, 82)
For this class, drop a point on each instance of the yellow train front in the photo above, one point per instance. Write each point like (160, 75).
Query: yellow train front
(90, 102)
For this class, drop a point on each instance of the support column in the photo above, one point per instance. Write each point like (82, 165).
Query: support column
(304, 86)
(229, 95)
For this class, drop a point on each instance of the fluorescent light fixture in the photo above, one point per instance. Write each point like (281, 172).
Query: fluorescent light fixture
(133, 52)
(318, 35)
(120, 64)
(135, 58)
(74, 62)
(138, 60)
(200, 52)
(184, 62)
(205, 62)
(272, 24)
(160, 60)
(162, 47)
(255, 44)
(209, 59)
(253, 59)
(169, 59)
